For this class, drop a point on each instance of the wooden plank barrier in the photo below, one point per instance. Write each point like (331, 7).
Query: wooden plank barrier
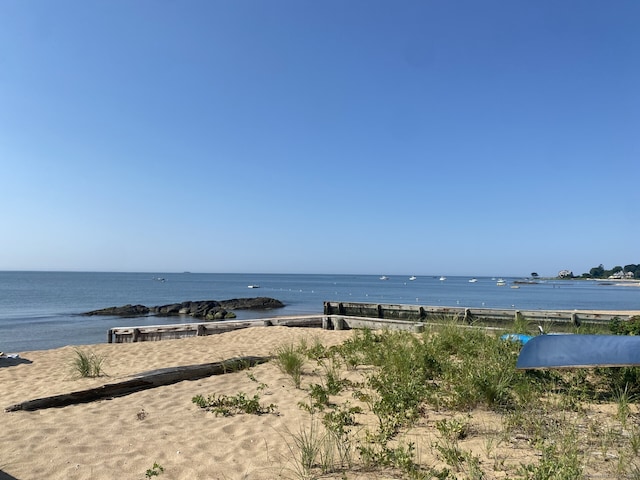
(152, 333)
(422, 313)
(348, 315)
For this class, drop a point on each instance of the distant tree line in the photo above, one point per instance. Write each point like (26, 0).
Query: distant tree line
(601, 272)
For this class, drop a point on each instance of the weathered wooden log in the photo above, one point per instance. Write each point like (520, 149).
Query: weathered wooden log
(143, 381)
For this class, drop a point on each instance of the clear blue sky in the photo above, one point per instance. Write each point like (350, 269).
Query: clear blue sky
(361, 136)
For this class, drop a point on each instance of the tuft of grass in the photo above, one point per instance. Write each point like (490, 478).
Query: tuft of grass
(560, 460)
(87, 364)
(290, 360)
(311, 449)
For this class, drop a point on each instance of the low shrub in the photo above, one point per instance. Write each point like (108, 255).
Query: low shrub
(228, 406)
(625, 327)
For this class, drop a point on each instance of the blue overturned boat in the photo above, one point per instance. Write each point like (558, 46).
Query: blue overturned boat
(572, 351)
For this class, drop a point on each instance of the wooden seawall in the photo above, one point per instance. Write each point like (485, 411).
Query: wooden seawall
(425, 313)
(348, 315)
(150, 333)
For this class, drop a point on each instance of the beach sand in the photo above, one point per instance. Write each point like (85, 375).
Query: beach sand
(124, 436)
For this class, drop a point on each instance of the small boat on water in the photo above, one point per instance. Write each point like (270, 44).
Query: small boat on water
(473, 280)
(501, 282)
(442, 279)
(384, 277)
(253, 286)
(412, 277)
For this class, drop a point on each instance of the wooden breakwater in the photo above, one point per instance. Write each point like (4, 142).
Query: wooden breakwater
(470, 315)
(150, 333)
(348, 315)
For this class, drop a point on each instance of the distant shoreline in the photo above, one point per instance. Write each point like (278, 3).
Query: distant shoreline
(623, 282)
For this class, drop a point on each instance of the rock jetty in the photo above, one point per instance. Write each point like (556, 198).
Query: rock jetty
(204, 309)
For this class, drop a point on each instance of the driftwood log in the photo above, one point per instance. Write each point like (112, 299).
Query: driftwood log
(143, 381)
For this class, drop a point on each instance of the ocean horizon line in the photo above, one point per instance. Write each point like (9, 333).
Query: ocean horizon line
(191, 272)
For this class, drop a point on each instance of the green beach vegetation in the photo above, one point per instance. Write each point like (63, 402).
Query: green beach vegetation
(448, 403)
(87, 364)
(228, 406)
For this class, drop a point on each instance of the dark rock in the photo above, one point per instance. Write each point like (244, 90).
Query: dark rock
(258, 303)
(123, 311)
(205, 309)
(196, 309)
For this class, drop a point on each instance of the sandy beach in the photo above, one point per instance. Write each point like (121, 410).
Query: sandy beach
(125, 436)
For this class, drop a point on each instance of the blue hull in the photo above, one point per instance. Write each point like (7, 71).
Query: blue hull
(571, 351)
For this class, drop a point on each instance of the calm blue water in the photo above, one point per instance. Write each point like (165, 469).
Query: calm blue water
(40, 310)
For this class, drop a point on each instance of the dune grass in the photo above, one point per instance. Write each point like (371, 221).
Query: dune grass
(290, 359)
(455, 371)
(87, 364)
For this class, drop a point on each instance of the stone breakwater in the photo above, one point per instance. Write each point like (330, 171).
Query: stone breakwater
(203, 309)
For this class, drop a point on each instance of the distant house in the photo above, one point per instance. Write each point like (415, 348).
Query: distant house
(565, 274)
(621, 275)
